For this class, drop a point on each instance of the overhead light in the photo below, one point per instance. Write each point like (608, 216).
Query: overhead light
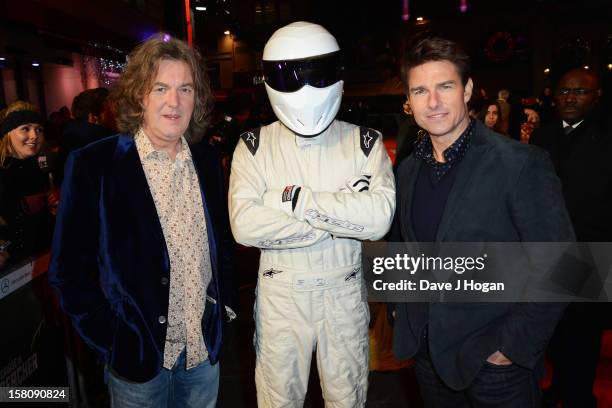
(610, 67)
(35, 64)
(547, 70)
(419, 19)
(226, 32)
(2, 59)
(586, 67)
(200, 8)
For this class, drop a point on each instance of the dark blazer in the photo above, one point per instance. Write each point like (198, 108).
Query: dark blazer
(78, 134)
(110, 263)
(582, 161)
(504, 191)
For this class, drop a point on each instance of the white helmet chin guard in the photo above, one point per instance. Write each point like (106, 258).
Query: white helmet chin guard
(303, 71)
(308, 111)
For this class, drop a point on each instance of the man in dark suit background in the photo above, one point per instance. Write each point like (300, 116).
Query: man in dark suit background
(141, 257)
(580, 144)
(465, 183)
(93, 120)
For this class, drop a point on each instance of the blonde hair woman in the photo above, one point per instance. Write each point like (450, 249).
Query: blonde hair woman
(26, 222)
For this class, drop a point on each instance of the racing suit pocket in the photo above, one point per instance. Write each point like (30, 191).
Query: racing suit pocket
(273, 313)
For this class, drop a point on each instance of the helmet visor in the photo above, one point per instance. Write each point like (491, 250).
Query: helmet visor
(291, 75)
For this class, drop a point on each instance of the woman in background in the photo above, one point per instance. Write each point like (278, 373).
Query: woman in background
(490, 115)
(26, 203)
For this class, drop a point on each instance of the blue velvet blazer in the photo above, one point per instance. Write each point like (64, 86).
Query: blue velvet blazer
(110, 264)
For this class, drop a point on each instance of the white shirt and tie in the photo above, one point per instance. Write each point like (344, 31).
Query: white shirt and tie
(567, 128)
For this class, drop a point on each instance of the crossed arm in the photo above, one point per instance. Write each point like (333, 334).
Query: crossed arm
(261, 217)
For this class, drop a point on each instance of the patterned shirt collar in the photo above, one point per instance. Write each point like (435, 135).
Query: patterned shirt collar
(147, 151)
(452, 155)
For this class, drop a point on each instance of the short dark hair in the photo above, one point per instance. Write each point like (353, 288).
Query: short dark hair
(89, 101)
(436, 48)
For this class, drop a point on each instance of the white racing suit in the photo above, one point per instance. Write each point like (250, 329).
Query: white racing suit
(310, 291)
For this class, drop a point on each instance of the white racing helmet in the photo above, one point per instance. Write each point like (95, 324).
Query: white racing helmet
(302, 73)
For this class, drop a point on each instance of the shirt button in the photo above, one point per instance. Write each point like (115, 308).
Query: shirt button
(161, 319)
(164, 280)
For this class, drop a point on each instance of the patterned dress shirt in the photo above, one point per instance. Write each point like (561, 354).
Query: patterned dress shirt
(176, 193)
(452, 155)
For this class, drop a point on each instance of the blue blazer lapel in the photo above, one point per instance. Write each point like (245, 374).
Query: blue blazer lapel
(213, 320)
(205, 178)
(132, 182)
(467, 169)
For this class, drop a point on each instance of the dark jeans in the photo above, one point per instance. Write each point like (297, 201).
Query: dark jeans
(176, 388)
(494, 386)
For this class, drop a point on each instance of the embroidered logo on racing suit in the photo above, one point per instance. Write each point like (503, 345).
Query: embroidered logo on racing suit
(367, 139)
(288, 193)
(269, 273)
(251, 140)
(286, 241)
(315, 215)
(352, 275)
